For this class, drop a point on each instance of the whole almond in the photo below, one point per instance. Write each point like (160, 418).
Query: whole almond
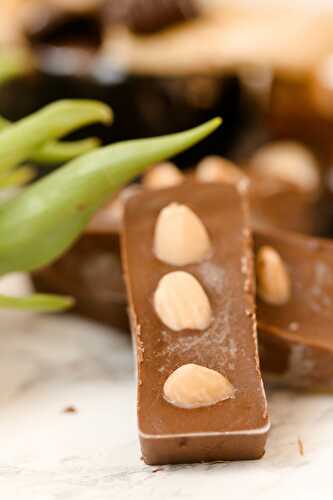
(181, 303)
(180, 236)
(192, 386)
(288, 161)
(163, 175)
(273, 282)
(218, 169)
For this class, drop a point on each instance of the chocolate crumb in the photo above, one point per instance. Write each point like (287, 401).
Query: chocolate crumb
(182, 442)
(70, 409)
(159, 469)
(300, 447)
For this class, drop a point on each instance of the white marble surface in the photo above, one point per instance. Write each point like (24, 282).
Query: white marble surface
(51, 362)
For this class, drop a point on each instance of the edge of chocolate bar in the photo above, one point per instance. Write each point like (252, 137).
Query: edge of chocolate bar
(294, 338)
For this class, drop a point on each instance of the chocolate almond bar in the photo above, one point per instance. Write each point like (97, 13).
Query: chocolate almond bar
(295, 313)
(189, 273)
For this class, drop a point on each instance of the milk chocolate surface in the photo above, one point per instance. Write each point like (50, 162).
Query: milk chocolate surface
(279, 204)
(296, 339)
(232, 429)
(90, 272)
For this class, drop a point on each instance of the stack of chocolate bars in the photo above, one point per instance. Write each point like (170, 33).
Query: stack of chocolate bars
(198, 283)
(191, 240)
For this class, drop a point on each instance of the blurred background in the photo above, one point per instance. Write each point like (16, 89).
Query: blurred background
(167, 65)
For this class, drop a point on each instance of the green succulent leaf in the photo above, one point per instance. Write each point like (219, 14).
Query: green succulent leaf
(17, 177)
(59, 152)
(4, 123)
(13, 63)
(37, 302)
(62, 152)
(39, 224)
(20, 140)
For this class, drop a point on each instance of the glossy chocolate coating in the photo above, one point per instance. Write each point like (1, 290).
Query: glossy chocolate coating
(296, 339)
(229, 430)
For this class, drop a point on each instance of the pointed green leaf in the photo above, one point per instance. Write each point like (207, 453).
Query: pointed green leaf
(20, 140)
(62, 152)
(17, 177)
(13, 63)
(59, 152)
(37, 302)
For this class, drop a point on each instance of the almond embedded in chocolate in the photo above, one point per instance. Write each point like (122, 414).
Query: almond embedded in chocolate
(192, 386)
(273, 280)
(181, 303)
(180, 238)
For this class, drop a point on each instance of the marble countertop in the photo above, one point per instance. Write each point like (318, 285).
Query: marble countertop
(68, 425)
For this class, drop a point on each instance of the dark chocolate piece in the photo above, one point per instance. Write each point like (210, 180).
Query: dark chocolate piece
(149, 16)
(232, 429)
(293, 113)
(296, 338)
(90, 272)
(52, 26)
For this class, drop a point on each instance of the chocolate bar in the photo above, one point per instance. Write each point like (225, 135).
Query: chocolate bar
(188, 268)
(91, 272)
(295, 308)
